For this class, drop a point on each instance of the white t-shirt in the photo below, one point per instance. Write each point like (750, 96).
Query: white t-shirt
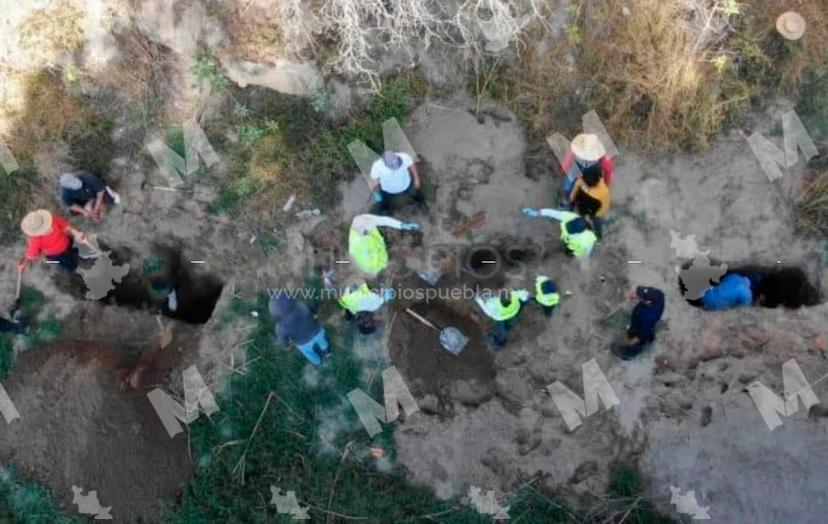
(393, 181)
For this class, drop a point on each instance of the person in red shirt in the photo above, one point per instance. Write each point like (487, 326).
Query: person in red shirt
(51, 236)
(586, 154)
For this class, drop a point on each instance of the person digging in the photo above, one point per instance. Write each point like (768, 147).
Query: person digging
(645, 316)
(359, 301)
(576, 234)
(51, 236)
(366, 244)
(85, 194)
(503, 309)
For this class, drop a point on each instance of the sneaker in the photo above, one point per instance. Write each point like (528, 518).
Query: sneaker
(116, 198)
(172, 301)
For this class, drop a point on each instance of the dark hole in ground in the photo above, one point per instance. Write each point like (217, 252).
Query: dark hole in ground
(771, 286)
(150, 279)
(486, 262)
(430, 369)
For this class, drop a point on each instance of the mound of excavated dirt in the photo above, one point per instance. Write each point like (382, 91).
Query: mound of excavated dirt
(77, 428)
(430, 369)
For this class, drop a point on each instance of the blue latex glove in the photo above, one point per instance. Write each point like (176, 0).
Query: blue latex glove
(377, 197)
(388, 294)
(528, 211)
(410, 226)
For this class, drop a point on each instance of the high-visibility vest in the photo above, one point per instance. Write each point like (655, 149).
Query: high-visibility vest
(368, 251)
(545, 299)
(353, 300)
(497, 311)
(579, 244)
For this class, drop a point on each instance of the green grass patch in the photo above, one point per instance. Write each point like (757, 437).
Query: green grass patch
(286, 145)
(24, 502)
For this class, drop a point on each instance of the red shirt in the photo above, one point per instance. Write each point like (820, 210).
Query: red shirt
(52, 243)
(607, 165)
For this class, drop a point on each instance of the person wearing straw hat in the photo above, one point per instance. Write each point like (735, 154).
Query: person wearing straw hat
(586, 155)
(51, 236)
(84, 193)
(791, 25)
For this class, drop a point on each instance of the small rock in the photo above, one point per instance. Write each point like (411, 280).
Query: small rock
(626, 11)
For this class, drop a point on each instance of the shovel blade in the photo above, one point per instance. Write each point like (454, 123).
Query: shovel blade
(453, 340)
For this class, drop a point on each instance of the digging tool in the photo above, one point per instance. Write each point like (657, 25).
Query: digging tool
(15, 309)
(450, 337)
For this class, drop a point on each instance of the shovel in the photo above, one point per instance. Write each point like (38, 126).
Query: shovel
(450, 337)
(15, 309)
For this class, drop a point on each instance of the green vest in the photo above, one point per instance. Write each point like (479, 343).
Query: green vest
(542, 298)
(579, 243)
(500, 312)
(368, 251)
(352, 300)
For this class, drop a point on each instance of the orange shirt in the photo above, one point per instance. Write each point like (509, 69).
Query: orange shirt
(599, 192)
(52, 243)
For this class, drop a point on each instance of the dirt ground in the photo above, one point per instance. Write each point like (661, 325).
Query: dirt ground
(485, 417)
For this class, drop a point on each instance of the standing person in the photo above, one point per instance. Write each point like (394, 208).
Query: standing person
(84, 193)
(591, 198)
(586, 154)
(645, 316)
(503, 309)
(395, 175)
(298, 325)
(51, 236)
(546, 294)
(575, 233)
(366, 244)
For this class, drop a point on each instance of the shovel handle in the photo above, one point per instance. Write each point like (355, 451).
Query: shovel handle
(422, 320)
(17, 289)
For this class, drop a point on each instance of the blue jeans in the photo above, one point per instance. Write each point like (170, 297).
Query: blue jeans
(501, 331)
(309, 348)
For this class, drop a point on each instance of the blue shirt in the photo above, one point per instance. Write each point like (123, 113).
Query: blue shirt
(645, 316)
(732, 291)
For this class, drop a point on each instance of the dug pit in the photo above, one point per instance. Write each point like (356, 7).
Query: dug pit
(429, 369)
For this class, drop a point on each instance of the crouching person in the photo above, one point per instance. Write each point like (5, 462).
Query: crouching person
(297, 324)
(645, 316)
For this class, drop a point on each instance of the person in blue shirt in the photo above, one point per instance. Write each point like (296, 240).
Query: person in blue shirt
(733, 290)
(645, 316)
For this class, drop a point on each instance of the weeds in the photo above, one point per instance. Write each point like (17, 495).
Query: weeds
(208, 72)
(24, 502)
(288, 147)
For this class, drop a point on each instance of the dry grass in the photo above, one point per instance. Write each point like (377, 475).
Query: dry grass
(54, 29)
(812, 207)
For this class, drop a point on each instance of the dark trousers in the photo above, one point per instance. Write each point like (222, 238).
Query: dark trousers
(68, 260)
(548, 310)
(364, 321)
(386, 199)
(501, 331)
(597, 226)
(7, 326)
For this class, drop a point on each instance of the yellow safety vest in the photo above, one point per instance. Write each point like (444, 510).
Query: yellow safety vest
(579, 243)
(542, 298)
(497, 311)
(368, 251)
(353, 300)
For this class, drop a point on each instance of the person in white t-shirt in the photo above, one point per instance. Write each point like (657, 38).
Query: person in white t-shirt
(395, 175)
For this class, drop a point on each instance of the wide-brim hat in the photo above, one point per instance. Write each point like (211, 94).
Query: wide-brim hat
(588, 147)
(36, 223)
(791, 25)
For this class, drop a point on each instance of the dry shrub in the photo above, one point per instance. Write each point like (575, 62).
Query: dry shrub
(812, 207)
(55, 29)
(664, 75)
(254, 32)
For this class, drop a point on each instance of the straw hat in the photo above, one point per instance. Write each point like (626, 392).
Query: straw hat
(791, 25)
(36, 223)
(588, 147)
